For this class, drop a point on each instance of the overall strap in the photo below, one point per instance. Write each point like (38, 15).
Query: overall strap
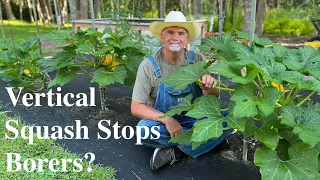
(156, 68)
(191, 57)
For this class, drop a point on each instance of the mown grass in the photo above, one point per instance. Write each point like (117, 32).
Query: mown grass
(21, 30)
(44, 149)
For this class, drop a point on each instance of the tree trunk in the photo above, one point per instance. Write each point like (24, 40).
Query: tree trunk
(96, 6)
(50, 10)
(45, 9)
(67, 14)
(20, 10)
(84, 8)
(196, 9)
(201, 7)
(62, 9)
(189, 7)
(150, 5)
(275, 3)
(9, 13)
(39, 11)
(161, 9)
(185, 8)
(73, 9)
(260, 16)
(247, 16)
(30, 10)
(232, 11)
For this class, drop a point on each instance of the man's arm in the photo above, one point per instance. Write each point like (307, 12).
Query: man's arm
(144, 111)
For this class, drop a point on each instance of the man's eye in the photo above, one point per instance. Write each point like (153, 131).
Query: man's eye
(181, 33)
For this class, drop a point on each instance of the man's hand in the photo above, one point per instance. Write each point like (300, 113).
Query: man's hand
(173, 127)
(207, 82)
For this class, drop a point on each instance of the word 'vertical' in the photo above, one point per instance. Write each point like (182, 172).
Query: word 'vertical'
(53, 99)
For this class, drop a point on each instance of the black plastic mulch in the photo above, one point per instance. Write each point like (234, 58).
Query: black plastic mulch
(131, 161)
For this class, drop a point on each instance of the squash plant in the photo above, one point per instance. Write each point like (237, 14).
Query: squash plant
(18, 65)
(266, 102)
(111, 56)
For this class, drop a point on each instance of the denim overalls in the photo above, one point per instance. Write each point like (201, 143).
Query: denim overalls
(166, 98)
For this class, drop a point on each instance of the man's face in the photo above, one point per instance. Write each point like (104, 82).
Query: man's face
(174, 38)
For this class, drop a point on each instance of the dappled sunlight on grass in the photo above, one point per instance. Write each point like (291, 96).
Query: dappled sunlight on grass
(21, 30)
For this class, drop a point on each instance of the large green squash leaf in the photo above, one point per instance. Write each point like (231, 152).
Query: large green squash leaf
(104, 77)
(86, 48)
(186, 75)
(64, 75)
(304, 120)
(184, 105)
(210, 127)
(210, 43)
(302, 163)
(247, 103)
(266, 132)
(306, 60)
(228, 71)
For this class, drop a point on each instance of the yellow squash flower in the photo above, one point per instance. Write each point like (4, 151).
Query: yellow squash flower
(107, 61)
(114, 64)
(26, 72)
(279, 87)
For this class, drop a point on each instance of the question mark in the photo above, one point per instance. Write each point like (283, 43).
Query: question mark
(92, 157)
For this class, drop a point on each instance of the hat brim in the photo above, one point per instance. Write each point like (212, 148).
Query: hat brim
(194, 29)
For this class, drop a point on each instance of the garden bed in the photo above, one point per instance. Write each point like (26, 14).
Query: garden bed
(127, 158)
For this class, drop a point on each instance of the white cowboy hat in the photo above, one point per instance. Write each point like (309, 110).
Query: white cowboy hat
(176, 18)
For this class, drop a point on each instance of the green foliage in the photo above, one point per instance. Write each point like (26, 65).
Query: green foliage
(18, 65)
(109, 57)
(286, 26)
(44, 149)
(265, 102)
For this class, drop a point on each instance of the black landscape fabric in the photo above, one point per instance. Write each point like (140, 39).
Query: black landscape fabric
(131, 161)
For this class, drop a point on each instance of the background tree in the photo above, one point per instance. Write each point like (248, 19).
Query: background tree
(96, 4)
(196, 9)
(9, 13)
(247, 16)
(161, 8)
(63, 11)
(261, 8)
(73, 7)
(30, 10)
(84, 9)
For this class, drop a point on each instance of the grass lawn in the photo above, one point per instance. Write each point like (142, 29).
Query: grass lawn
(43, 149)
(21, 30)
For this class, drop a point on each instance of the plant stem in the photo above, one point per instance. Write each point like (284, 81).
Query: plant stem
(288, 96)
(225, 89)
(222, 84)
(255, 83)
(305, 99)
(294, 95)
(88, 73)
(259, 79)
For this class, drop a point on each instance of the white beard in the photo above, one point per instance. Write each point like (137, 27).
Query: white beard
(174, 47)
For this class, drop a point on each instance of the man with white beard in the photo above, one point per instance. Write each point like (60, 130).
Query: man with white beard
(151, 97)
